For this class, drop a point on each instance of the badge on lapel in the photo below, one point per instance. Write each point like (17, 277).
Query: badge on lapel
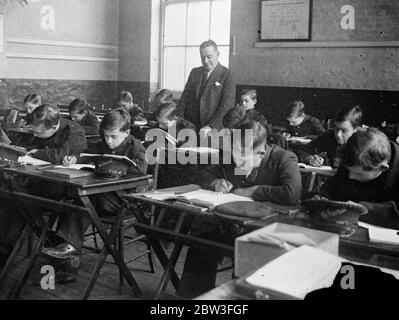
(217, 84)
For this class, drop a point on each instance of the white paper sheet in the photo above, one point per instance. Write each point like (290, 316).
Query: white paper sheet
(381, 235)
(298, 272)
(32, 161)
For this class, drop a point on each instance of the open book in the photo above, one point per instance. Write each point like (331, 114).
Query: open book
(96, 158)
(303, 140)
(298, 272)
(203, 198)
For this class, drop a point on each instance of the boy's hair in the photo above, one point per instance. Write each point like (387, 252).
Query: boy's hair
(78, 105)
(295, 109)
(46, 115)
(367, 148)
(259, 136)
(118, 118)
(125, 96)
(209, 43)
(234, 117)
(162, 96)
(352, 114)
(169, 109)
(33, 98)
(252, 93)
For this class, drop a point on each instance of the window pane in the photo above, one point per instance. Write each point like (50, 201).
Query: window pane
(224, 55)
(193, 59)
(220, 21)
(175, 24)
(173, 73)
(198, 22)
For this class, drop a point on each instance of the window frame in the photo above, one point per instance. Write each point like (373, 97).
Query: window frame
(162, 40)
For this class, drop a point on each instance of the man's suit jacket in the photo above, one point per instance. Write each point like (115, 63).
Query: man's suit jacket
(216, 98)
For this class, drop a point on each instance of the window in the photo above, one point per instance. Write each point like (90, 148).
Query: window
(188, 23)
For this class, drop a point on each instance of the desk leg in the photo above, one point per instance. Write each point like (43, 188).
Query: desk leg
(36, 252)
(156, 245)
(183, 226)
(110, 247)
(10, 261)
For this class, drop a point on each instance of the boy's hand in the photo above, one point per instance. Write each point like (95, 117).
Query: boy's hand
(222, 185)
(68, 161)
(316, 161)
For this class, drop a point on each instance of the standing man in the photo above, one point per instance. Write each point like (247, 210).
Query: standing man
(209, 91)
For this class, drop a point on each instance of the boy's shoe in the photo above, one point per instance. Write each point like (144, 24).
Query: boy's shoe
(62, 251)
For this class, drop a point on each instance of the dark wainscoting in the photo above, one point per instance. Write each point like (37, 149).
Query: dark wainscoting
(97, 93)
(378, 106)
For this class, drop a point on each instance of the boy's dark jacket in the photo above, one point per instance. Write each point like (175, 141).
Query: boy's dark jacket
(55, 148)
(278, 177)
(381, 194)
(130, 147)
(90, 124)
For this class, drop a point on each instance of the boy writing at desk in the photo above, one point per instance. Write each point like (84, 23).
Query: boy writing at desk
(260, 171)
(369, 174)
(116, 139)
(331, 143)
(54, 138)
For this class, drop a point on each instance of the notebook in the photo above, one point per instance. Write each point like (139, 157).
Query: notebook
(204, 198)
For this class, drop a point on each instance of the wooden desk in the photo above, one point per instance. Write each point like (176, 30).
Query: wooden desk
(82, 189)
(180, 235)
(314, 172)
(28, 131)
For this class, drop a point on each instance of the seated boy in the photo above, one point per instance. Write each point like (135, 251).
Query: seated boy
(80, 113)
(369, 174)
(125, 101)
(116, 139)
(16, 118)
(167, 117)
(300, 124)
(260, 171)
(331, 143)
(55, 137)
(245, 112)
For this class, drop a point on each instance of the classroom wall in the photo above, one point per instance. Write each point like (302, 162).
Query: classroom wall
(76, 55)
(337, 67)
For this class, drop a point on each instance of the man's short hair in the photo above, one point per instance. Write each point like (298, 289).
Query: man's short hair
(352, 114)
(209, 43)
(295, 109)
(259, 136)
(118, 118)
(46, 115)
(252, 93)
(367, 148)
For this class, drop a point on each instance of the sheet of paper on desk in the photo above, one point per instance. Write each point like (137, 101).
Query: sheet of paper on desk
(158, 195)
(140, 123)
(200, 150)
(77, 166)
(323, 168)
(381, 235)
(32, 161)
(298, 272)
(214, 197)
(299, 139)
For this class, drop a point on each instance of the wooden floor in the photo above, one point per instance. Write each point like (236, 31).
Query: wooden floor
(107, 285)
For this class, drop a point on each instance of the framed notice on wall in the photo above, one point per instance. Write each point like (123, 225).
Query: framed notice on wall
(285, 20)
